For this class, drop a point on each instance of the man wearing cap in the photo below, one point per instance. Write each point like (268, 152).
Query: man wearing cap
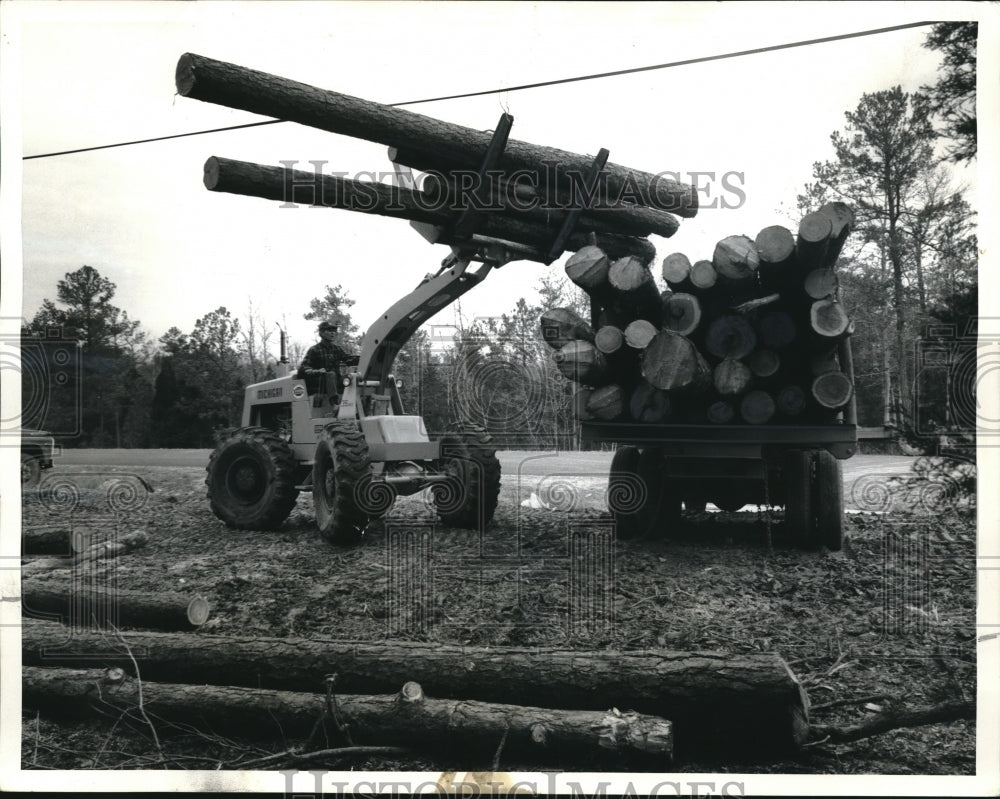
(325, 357)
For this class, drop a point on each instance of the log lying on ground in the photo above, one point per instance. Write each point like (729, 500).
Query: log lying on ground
(717, 702)
(86, 604)
(331, 191)
(562, 325)
(408, 718)
(261, 93)
(55, 540)
(111, 548)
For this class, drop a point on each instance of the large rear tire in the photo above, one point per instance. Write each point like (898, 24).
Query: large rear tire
(251, 480)
(469, 498)
(341, 470)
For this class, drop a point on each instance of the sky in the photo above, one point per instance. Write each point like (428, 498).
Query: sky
(98, 73)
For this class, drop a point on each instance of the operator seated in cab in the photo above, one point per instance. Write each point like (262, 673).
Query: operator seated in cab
(323, 361)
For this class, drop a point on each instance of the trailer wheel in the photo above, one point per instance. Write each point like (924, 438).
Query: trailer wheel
(251, 480)
(797, 477)
(660, 514)
(695, 505)
(340, 468)
(625, 492)
(828, 507)
(469, 499)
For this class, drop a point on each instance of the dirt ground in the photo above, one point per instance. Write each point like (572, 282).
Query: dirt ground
(892, 615)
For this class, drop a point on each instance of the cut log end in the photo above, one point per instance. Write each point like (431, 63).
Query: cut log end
(184, 75)
(639, 333)
(703, 275)
(609, 339)
(757, 407)
(676, 268)
(832, 390)
(198, 611)
(730, 336)
(821, 283)
(411, 693)
(736, 258)
(731, 377)
(829, 319)
(588, 267)
(775, 245)
(681, 313)
(764, 363)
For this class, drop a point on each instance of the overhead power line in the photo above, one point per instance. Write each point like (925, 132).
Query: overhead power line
(522, 87)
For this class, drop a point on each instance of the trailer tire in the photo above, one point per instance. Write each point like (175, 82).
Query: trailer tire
(340, 469)
(470, 498)
(625, 491)
(251, 479)
(828, 505)
(797, 477)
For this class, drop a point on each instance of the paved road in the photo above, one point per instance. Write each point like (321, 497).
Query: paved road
(525, 463)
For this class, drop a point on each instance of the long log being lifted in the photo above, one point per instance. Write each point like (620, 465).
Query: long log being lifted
(717, 702)
(331, 191)
(407, 718)
(234, 86)
(90, 604)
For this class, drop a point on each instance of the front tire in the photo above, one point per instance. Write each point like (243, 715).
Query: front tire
(469, 499)
(251, 480)
(341, 468)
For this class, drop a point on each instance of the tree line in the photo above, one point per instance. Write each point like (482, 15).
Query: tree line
(908, 277)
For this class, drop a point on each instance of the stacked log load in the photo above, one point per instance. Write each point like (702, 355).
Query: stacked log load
(751, 336)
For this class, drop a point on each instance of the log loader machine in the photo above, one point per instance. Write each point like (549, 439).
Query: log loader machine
(357, 455)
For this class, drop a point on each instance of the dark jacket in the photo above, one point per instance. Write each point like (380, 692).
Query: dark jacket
(326, 356)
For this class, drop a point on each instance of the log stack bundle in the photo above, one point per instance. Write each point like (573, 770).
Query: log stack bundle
(477, 184)
(751, 336)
